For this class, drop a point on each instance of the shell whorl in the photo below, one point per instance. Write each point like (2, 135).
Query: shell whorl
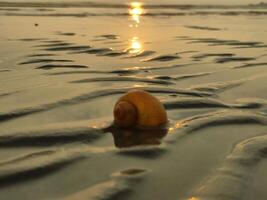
(125, 114)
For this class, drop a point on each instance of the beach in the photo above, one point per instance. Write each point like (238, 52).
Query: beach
(63, 66)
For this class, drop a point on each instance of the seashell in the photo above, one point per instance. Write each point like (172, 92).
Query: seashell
(138, 108)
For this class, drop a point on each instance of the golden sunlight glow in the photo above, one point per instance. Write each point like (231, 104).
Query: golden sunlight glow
(179, 125)
(137, 85)
(194, 198)
(136, 11)
(136, 4)
(135, 46)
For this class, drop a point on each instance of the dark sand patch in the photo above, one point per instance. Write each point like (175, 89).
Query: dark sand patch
(41, 55)
(181, 77)
(233, 59)
(108, 37)
(218, 42)
(69, 48)
(50, 66)
(203, 28)
(162, 58)
(125, 78)
(5, 70)
(251, 65)
(10, 9)
(97, 51)
(207, 55)
(33, 61)
(65, 33)
(55, 44)
(190, 103)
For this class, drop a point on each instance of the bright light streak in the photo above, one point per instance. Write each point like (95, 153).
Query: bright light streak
(136, 11)
(135, 46)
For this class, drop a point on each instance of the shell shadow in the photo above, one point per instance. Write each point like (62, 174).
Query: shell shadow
(130, 137)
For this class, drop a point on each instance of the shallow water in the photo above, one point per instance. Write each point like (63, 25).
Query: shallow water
(63, 68)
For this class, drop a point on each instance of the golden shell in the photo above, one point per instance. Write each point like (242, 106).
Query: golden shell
(138, 108)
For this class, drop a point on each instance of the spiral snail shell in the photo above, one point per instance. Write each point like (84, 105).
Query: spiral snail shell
(138, 108)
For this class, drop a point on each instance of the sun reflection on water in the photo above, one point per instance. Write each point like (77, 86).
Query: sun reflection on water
(135, 46)
(194, 198)
(136, 11)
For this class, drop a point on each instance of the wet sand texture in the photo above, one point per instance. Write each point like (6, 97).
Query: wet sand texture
(64, 65)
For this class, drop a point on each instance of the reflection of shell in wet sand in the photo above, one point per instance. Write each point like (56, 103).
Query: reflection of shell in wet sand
(130, 137)
(139, 108)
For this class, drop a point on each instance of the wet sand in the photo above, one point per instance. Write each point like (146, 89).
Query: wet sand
(62, 68)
